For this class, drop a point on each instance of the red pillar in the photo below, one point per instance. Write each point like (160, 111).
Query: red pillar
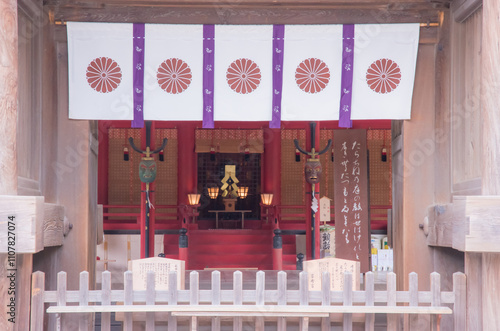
(183, 246)
(271, 177)
(277, 250)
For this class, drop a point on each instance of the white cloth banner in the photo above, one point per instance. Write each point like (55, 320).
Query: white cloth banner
(243, 73)
(100, 71)
(100, 59)
(312, 72)
(385, 58)
(173, 77)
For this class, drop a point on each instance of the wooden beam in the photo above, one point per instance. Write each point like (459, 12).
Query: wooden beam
(469, 224)
(53, 225)
(21, 220)
(462, 9)
(248, 15)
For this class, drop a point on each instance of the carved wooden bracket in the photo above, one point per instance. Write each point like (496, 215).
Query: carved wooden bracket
(54, 227)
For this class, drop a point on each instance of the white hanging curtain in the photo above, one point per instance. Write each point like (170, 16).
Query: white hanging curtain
(102, 86)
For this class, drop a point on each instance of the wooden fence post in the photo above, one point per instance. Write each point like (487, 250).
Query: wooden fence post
(435, 299)
(83, 296)
(150, 299)
(194, 296)
(128, 299)
(216, 298)
(303, 299)
(460, 305)
(37, 303)
(260, 288)
(325, 299)
(61, 295)
(392, 319)
(281, 298)
(172, 299)
(413, 318)
(106, 300)
(347, 298)
(370, 300)
(238, 298)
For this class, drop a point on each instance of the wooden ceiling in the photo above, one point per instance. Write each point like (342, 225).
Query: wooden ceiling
(249, 11)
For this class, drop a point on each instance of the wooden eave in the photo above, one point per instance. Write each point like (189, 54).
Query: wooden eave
(249, 11)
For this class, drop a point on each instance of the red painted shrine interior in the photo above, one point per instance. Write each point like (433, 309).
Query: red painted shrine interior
(265, 161)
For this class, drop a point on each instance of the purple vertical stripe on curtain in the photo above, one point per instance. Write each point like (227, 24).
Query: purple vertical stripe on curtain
(138, 74)
(208, 75)
(278, 49)
(347, 74)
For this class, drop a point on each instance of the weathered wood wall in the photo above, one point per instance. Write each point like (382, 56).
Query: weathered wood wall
(8, 116)
(466, 120)
(490, 53)
(418, 171)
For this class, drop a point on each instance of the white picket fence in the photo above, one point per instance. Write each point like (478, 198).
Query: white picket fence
(259, 304)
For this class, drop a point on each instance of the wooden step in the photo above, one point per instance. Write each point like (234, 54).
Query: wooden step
(235, 249)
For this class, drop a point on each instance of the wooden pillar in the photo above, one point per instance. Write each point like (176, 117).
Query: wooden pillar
(490, 72)
(8, 97)
(8, 124)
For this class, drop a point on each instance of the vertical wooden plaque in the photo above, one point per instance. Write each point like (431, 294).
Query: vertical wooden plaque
(352, 217)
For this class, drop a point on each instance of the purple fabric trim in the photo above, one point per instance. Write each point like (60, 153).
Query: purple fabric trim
(278, 49)
(138, 75)
(208, 75)
(347, 74)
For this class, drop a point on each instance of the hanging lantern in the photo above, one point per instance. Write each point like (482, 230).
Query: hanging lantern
(384, 154)
(297, 155)
(332, 155)
(212, 153)
(125, 154)
(161, 157)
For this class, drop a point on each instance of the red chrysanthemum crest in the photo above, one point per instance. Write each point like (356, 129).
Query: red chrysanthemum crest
(104, 74)
(174, 76)
(312, 75)
(383, 76)
(243, 76)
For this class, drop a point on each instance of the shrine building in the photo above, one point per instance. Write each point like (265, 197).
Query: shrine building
(252, 136)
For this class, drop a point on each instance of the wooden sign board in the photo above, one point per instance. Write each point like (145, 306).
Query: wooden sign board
(352, 217)
(162, 267)
(336, 268)
(324, 209)
(327, 242)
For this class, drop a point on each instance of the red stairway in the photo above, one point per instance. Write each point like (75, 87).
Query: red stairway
(289, 252)
(230, 249)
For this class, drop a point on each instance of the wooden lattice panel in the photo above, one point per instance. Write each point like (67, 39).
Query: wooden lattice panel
(380, 172)
(229, 141)
(293, 184)
(124, 186)
(166, 179)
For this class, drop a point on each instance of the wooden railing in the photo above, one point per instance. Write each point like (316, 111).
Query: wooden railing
(127, 217)
(258, 303)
